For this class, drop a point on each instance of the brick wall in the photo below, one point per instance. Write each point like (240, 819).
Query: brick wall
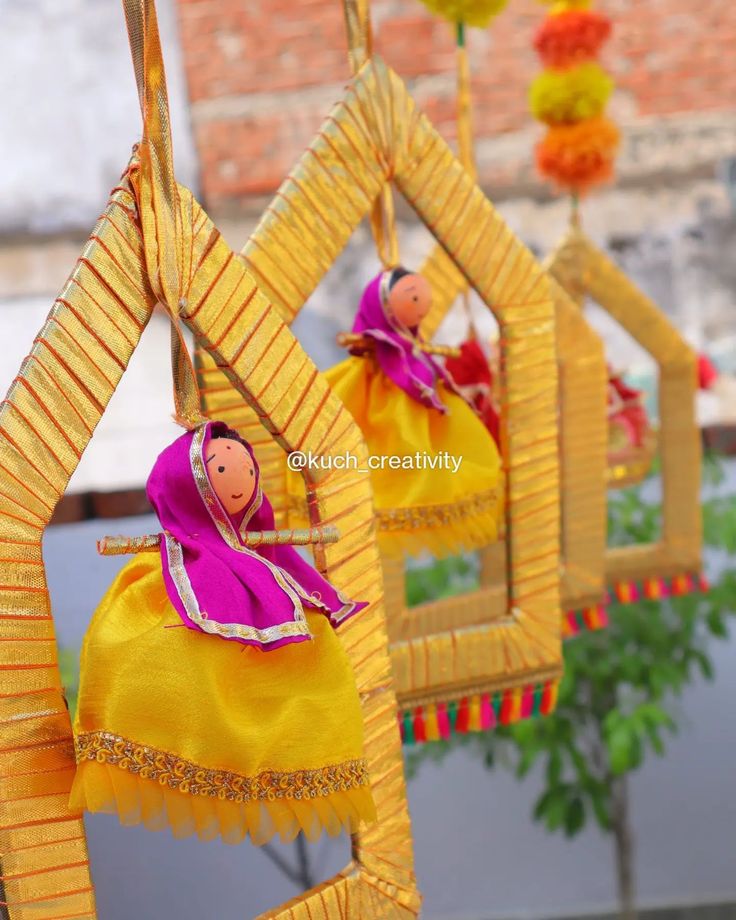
(262, 75)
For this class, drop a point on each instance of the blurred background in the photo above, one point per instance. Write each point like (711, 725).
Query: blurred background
(250, 81)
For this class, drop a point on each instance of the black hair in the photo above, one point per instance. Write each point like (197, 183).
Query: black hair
(227, 433)
(397, 274)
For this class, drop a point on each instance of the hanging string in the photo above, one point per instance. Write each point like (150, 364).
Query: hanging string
(464, 103)
(360, 36)
(383, 227)
(167, 237)
(575, 210)
(383, 214)
(465, 140)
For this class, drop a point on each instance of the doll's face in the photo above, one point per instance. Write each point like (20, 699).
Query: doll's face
(409, 300)
(231, 472)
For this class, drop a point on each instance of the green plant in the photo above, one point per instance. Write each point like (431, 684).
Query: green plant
(442, 578)
(615, 702)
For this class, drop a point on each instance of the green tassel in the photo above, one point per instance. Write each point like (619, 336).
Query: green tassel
(497, 701)
(452, 714)
(408, 728)
(537, 704)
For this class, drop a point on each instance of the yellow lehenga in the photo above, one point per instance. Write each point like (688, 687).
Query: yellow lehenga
(219, 738)
(435, 510)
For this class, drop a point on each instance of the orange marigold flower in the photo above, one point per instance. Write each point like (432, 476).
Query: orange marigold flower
(571, 36)
(579, 156)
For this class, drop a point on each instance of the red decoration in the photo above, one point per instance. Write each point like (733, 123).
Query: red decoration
(472, 375)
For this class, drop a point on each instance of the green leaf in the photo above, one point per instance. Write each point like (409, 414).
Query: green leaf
(554, 767)
(552, 807)
(574, 817)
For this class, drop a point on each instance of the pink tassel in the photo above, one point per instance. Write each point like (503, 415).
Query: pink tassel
(527, 702)
(443, 721)
(487, 715)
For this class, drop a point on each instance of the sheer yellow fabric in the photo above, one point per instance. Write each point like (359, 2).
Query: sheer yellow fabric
(184, 730)
(435, 510)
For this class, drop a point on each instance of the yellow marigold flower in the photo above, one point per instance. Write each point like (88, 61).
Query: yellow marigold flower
(559, 97)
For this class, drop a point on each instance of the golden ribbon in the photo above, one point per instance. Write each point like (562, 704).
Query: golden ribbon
(167, 237)
(383, 216)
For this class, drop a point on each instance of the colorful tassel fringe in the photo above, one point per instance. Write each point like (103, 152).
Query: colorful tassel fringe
(483, 712)
(476, 713)
(628, 592)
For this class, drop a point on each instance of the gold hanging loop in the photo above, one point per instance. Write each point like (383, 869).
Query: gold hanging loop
(472, 328)
(360, 37)
(166, 236)
(383, 227)
(360, 48)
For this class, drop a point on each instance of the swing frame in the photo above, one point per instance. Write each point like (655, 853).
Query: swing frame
(375, 136)
(46, 421)
(583, 438)
(584, 270)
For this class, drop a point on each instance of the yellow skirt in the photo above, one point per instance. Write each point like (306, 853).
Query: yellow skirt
(435, 510)
(205, 736)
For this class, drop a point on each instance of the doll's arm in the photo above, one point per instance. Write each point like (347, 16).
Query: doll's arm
(120, 546)
(361, 344)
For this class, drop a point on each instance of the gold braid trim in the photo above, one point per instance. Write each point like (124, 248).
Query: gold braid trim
(413, 518)
(121, 546)
(176, 773)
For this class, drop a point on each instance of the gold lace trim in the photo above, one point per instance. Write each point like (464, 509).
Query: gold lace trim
(176, 773)
(412, 518)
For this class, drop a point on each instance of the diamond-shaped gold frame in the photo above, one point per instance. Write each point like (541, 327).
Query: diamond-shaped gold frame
(583, 441)
(585, 271)
(493, 638)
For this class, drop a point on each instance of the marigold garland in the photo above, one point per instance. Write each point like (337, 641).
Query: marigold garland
(578, 151)
(571, 36)
(579, 156)
(471, 12)
(571, 95)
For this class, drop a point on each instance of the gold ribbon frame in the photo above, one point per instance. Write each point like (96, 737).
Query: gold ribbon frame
(584, 270)
(582, 443)
(46, 421)
(376, 135)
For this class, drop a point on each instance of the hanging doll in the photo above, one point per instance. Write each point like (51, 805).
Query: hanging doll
(628, 423)
(215, 697)
(471, 372)
(445, 492)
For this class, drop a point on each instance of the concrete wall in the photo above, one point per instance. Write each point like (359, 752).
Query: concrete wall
(69, 111)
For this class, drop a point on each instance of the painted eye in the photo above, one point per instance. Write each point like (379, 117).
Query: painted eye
(415, 298)
(252, 472)
(220, 469)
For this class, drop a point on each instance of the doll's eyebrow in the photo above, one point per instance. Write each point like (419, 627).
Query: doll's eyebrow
(211, 457)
